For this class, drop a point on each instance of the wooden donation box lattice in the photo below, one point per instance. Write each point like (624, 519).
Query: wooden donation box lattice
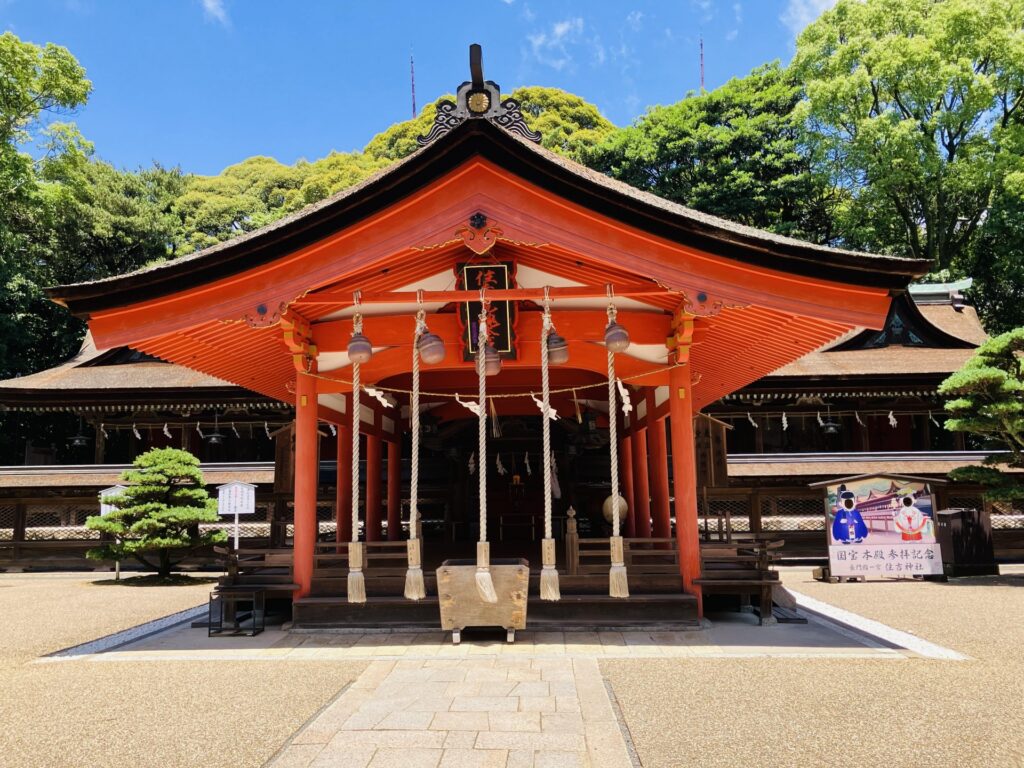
(461, 604)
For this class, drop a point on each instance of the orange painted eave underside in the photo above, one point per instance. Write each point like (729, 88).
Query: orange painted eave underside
(783, 316)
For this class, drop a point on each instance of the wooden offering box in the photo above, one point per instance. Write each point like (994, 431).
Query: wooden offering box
(462, 607)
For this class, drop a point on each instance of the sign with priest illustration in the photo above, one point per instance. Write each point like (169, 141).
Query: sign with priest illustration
(881, 525)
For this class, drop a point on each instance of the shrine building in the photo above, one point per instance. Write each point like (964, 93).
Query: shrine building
(494, 283)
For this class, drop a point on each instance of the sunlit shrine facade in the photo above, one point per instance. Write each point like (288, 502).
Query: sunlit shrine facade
(482, 218)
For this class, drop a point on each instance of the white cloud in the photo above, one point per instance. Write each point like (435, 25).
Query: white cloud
(731, 34)
(214, 10)
(635, 20)
(551, 47)
(737, 12)
(706, 8)
(799, 13)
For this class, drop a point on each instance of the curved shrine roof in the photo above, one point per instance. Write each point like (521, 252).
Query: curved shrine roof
(564, 177)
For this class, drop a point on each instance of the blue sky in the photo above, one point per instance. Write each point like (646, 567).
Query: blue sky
(206, 83)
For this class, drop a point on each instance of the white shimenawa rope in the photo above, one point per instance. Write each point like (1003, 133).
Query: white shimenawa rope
(356, 580)
(618, 584)
(549, 588)
(415, 589)
(484, 582)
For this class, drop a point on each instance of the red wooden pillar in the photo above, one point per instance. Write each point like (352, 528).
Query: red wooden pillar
(343, 505)
(641, 490)
(306, 459)
(684, 468)
(394, 490)
(657, 449)
(626, 486)
(373, 467)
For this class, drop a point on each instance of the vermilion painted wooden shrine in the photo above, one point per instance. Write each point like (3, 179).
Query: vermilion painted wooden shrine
(483, 217)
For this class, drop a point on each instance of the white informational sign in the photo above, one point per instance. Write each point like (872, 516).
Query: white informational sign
(880, 526)
(114, 490)
(234, 499)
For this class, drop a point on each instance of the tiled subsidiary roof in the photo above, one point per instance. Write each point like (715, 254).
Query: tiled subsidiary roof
(143, 382)
(843, 464)
(106, 475)
(961, 322)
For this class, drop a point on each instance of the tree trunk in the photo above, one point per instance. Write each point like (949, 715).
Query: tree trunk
(165, 564)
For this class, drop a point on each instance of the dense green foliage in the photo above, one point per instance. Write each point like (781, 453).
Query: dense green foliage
(911, 106)
(156, 519)
(896, 128)
(988, 401)
(734, 152)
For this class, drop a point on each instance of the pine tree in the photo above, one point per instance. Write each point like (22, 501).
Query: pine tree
(989, 402)
(156, 518)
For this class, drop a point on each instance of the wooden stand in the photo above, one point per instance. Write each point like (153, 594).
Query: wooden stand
(462, 607)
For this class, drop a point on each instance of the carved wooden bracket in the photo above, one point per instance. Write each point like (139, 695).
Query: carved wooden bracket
(265, 315)
(298, 338)
(703, 305)
(480, 235)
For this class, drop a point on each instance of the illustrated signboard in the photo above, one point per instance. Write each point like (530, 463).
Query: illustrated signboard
(234, 499)
(501, 317)
(881, 525)
(112, 491)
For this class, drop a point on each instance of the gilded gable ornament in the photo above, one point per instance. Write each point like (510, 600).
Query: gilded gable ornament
(478, 99)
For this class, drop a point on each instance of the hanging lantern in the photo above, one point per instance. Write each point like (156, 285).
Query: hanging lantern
(609, 512)
(431, 348)
(216, 437)
(492, 361)
(830, 427)
(359, 349)
(80, 439)
(558, 349)
(616, 338)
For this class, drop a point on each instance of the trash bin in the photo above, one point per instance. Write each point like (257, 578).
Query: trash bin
(964, 537)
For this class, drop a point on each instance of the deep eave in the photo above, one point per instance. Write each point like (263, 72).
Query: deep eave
(479, 138)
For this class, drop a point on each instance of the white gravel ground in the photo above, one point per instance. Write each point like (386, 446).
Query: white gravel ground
(818, 712)
(79, 714)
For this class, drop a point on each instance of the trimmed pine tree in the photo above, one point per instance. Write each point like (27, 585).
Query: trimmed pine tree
(989, 403)
(156, 519)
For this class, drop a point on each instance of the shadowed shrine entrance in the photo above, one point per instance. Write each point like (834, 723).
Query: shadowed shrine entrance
(457, 266)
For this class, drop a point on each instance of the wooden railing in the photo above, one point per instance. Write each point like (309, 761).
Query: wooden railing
(592, 557)
(383, 558)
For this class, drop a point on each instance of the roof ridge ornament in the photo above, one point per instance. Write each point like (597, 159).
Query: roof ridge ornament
(478, 99)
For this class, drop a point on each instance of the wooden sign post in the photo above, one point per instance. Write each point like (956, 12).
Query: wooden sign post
(234, 499)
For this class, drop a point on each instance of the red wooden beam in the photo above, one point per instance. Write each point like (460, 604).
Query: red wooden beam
(347, 298)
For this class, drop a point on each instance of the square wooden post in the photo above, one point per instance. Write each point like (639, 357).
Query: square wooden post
(373, 500)
(641, 488)
(343, 503)
(657, 453)
(306, 476)
(626, 486)
(394, 490)
(684, 469)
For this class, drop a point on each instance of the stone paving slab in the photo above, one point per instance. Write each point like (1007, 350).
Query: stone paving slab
(376, 723)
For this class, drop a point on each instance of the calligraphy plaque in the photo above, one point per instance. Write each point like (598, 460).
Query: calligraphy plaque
(501, 314)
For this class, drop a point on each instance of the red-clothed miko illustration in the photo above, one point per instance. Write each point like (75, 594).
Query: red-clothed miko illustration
(908, 519)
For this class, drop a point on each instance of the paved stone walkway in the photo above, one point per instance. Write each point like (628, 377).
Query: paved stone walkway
(487, 712)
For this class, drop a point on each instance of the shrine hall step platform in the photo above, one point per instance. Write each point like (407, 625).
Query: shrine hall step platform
(667, 610)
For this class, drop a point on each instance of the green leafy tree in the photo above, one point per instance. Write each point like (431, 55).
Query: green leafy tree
(567, 124)
(734, 152)
(156, 519)
(910, 105)
(988, 394)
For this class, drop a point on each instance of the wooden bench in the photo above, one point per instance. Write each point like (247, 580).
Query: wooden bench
(745, 569)
(267, 570)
